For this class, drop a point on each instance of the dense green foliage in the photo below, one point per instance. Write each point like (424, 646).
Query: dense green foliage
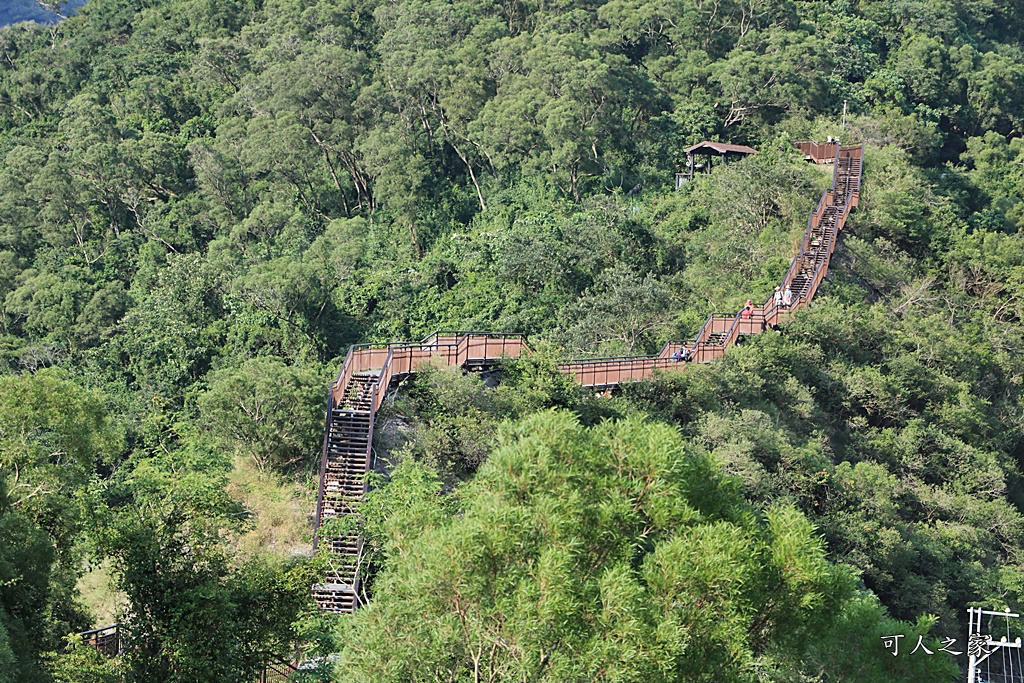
(611, 554)
(192, 614)
(204, 202)
(53, 436)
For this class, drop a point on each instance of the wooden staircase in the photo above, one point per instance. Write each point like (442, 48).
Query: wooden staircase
(347, 454)
(808, 268)
(348, 448)
(369, 370)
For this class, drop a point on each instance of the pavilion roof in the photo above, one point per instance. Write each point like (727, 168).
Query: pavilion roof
(708, 147)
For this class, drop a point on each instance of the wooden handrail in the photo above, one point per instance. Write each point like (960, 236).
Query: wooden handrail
(819, 152)
(106, 639)
(323, 463)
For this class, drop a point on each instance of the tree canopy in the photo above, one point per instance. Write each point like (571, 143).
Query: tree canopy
(203, 203)
(618, 553)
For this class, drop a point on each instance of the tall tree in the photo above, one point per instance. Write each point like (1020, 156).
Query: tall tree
(616, 553)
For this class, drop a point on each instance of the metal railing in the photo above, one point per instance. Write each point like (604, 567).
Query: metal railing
(459, 349)
(276, 672)
(819, 152)
(106, 639)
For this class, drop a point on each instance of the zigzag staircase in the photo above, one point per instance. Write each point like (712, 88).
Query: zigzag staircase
(369, 370)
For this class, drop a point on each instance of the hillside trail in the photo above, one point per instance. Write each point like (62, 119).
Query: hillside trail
(369, 369)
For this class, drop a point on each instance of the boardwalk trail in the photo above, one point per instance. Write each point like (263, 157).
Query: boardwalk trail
(370, 369)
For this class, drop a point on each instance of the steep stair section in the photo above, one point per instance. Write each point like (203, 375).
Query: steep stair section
(347, 455)
(806, 271)
(347, 459)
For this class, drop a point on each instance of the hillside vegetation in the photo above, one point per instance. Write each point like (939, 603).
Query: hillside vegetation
(204, 202)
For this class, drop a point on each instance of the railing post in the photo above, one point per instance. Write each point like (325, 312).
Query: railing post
(323, 465)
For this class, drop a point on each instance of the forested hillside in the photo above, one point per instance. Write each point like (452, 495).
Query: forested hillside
(203, 203)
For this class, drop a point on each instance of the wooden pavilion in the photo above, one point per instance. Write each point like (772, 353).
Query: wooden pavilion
(710, 150)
